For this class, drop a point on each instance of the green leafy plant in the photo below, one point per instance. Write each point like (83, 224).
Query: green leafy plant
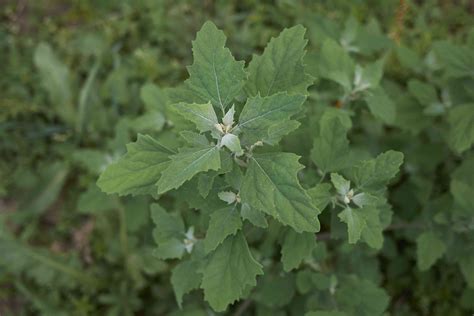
(325, 169)
(240, 115)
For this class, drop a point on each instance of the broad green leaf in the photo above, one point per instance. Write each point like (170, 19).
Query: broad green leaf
(271, 186)
(335, 64)
(55, 78)
(381, 106)
(462, 185)
(223, 222)
(203, 115)
(280, 67)
(168, 233)
(153, 97)
(424, 92)
(361, 297)
(458, 60)
(167, 225)
(94, 201)
(215, 75)
(275, 291)
(186, 164)
(355, 223)
(234, 177)
(194, 139)
(331, 147)
(408, 58)
(254, 216)
(429, 248)
(461, 132)
(296, 247)
(230, 270)
(205, 183)
(321, 195)
(372, 233)
(462, 193)
(185, 278)
(409, 113)
(138, 170)
(375, 173)
(93, 160)
(259, 115)
(467, 269)
(151, 121)
(170, 249)
(277, 131)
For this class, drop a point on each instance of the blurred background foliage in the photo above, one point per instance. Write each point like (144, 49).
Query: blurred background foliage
(80, 78)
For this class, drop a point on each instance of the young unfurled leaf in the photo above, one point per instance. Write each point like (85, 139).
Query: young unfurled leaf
(331, 147)
(215, 75)
(260, 114)
(429, 248)
(230, 270)
(185, 278)
(228, 196)
(138, 170)
(228, 119)
(232, 142)
(271, 186)
(186, 164)
(295, 248)
(203, 115)
(223, 222)
(280, 67)
(342, 185)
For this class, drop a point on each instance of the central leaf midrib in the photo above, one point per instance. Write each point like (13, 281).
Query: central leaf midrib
(264, 114)
(197, 160)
